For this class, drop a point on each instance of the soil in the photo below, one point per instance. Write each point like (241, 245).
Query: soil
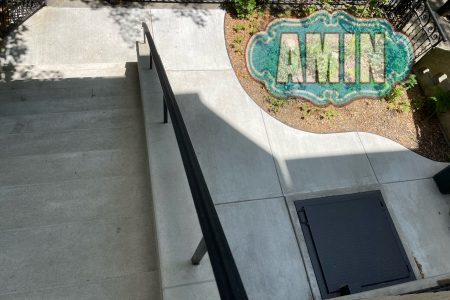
(415, 129)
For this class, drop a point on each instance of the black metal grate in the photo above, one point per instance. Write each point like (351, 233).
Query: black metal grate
(352, 243)
(14, 12)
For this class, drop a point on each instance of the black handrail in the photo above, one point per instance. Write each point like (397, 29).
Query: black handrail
(227, 276)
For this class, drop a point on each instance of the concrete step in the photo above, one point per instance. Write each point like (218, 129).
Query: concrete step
(33, 169)
(43, 104)
(14, 145)
(85, 87)
(21, 72)
(76, 217)
(143, 286)
(73, 253)
(96, 119)
(74, 200)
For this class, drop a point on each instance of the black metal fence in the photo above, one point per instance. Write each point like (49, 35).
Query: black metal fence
(417, 20)
(14, 12)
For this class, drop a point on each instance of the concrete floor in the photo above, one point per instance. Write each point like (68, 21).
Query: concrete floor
(254, 165)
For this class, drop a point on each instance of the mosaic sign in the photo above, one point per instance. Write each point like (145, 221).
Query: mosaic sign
(329, 58)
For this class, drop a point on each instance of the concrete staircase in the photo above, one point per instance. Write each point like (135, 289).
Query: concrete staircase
(76, 214)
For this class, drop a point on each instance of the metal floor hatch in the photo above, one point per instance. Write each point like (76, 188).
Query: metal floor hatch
(352, 243)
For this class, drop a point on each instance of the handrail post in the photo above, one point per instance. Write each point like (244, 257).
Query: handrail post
(165, 109)
(199, 252)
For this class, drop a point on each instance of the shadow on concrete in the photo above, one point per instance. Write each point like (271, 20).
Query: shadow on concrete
(232, 162)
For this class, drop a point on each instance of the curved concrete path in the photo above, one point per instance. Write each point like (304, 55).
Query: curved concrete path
(256, 166)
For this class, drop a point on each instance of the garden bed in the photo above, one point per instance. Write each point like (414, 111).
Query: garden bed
(400, 119)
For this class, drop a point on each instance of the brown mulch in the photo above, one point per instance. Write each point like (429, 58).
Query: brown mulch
(416, 130)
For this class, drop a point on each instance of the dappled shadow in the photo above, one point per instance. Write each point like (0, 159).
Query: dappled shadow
(20, 57)
(198, 16)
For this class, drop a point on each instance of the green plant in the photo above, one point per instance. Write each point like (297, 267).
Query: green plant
(287, 13)
(395, 100)
(253, 25)
(330, 112)
(404, 106)
(238, 39)
(307, 110)
(239, 27)
(327, 4)
(410, 82)
(275, 103)
(243, 8)
(440, 101)
(371, 9)
(395, 93)
(310, 9)
(252, 30)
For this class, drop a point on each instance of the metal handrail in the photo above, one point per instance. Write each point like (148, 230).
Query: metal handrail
(225, 271)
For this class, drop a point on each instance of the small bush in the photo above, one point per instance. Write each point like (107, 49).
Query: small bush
(396, 101)
(243, 8)
(395, 93)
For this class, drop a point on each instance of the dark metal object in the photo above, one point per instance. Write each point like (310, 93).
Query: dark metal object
(165, 109)
(199, 252)
(416, 19)
(227, 276)
(444, 10)
(442, 180)
(15, 12)
(352, 243)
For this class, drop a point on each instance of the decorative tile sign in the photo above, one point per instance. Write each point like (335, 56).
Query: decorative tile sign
(329, 58)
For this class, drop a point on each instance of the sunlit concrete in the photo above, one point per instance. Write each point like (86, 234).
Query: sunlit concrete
(188, 38)
(225, 127)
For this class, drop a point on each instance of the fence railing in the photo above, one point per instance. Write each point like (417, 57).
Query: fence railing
(15, 12)
(417, 20)
(225, 271)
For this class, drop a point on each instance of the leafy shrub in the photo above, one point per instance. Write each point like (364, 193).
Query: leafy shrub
(440, 101)
(395, 100)
(243, 8)
(395, 93)
(410, 82)
(310, 9)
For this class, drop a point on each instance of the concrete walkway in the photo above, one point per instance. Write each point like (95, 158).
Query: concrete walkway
(256, 166)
